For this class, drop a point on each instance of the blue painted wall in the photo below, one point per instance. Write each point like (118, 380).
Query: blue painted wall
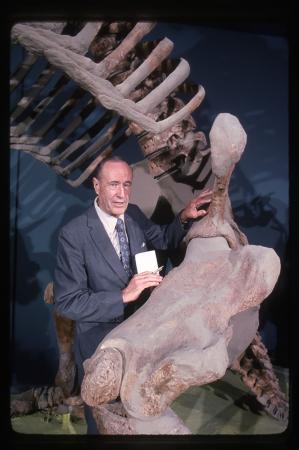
(243, 73)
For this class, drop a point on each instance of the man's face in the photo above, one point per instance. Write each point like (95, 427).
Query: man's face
(114, 187)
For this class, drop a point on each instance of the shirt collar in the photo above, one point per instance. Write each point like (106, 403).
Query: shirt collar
(108, 221)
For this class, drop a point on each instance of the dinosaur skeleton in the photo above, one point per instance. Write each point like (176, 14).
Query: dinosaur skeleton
(65, 52)
(92, 90)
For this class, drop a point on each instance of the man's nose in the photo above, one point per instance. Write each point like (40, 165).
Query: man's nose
(120, 190)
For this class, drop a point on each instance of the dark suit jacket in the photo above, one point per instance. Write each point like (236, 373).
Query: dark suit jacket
(89, 276)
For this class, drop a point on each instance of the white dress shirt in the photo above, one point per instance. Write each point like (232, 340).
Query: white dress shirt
(109, 223)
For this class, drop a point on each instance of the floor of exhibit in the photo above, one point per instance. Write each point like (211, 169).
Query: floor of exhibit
(223, 407)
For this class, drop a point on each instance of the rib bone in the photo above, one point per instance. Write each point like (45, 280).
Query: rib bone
(79, 44)
(91, 76)
(159, 53)
(165, 88)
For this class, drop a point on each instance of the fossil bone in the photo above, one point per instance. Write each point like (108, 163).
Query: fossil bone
(180, 336)
(66, 53)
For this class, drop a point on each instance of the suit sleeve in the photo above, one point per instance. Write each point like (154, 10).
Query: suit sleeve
(162, 237)
(73, 297)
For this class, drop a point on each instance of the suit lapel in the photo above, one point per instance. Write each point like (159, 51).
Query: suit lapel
(136, 238)
(104, 245)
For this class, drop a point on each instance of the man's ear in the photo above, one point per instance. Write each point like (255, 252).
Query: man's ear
(95, 183)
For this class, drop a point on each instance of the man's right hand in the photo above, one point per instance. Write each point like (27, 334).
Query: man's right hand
(138, 283)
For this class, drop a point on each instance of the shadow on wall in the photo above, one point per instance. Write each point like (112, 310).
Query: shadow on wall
(74, 201)
(28, 266)
(275, 316)
(234, 67)
(30, 319)
(25, 286)
(257, 216)
(34, 358)
(30, 369)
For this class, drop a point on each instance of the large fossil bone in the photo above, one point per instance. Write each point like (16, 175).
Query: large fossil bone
(65, 333)
(137, 95)
(92, 76)
(180, 336)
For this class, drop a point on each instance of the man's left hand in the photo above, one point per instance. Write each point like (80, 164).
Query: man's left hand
(192, 210)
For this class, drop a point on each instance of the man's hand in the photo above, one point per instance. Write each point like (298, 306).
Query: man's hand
(192, 210)
(138, 283)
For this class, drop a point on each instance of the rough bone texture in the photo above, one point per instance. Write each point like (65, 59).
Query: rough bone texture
(121, 81)
(180, 337)
(228, 140)
(35, 399)
(65, 333)
(256, 371)
(113, 419)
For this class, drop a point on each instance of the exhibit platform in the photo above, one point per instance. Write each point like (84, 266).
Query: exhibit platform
(225, 407)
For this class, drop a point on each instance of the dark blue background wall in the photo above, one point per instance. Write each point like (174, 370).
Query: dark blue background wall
(243, 73)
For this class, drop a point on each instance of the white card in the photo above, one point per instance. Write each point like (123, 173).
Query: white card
(146, 261)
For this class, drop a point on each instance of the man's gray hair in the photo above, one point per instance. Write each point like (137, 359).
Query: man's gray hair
(99, 168)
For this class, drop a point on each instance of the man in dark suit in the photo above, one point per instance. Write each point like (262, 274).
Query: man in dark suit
(95, 278)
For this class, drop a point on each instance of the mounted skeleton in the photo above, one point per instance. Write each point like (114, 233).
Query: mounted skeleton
(136, 98)
(163, 141)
